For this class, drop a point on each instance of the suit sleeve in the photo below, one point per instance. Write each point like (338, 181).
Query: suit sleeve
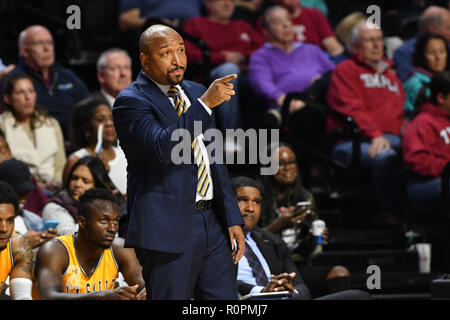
(344, 95)
(137, 126)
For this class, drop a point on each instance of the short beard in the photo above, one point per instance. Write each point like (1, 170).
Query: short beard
(173, 83)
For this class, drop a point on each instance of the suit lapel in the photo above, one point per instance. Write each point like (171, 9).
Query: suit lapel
(158, 99)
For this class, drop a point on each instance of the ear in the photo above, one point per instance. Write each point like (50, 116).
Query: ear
(145, 61)
(7, 99)
(440, 98)
(100, 77)
(81, 221)
(23, 52)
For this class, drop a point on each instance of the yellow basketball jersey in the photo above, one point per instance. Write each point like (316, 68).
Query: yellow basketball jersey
(6, 263)
(75, 279)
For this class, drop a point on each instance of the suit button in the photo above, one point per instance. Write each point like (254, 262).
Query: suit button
(194, 173)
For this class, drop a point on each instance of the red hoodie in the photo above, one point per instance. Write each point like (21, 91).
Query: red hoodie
(426, 142)
(237, 35)
(374, 100)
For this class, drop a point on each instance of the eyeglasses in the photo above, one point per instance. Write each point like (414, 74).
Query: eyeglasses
(377, 39)
(287, 163)
(41, 43)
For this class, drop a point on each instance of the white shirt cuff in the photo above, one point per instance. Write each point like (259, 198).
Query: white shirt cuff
(256, 289)
(205, 106)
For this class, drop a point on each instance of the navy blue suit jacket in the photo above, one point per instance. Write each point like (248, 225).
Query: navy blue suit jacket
(160, 194)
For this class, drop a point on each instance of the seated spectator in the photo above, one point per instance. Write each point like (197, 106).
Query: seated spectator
(267, 265)
(36, 198)
(366, 89)
(33, 136)
(113, 74)
(57, 88)
(229, 51)
(85, 123)
(15, 252)
(273, 72)
(86, 265)
(27, 223)
(87, 173)
(281, 216)
(426, 143)
(136, 14)
(430, 56)
(433, 20)
(311, 26)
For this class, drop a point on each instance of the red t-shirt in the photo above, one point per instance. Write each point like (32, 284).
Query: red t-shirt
(374, 100)
(238, 36)
(310, 26)
(426, 142)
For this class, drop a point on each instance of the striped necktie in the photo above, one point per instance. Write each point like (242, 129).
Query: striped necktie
(202, 174)
(255, 264)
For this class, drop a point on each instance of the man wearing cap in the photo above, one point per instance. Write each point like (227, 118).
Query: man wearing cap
(17, 174)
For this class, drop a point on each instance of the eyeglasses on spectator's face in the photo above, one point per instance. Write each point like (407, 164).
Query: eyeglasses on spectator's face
(287, 173)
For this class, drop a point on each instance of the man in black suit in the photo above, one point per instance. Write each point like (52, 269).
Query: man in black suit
(183, 218)
(267, 265)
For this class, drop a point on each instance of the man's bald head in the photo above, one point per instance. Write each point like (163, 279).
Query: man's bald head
(36, 46)
(162, 54)
(152, 33)
(435, 19)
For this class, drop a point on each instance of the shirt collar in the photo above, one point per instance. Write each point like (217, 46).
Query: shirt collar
(295, 45)
(108, 97)
(164, 88)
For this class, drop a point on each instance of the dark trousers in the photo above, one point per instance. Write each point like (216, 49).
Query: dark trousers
(204, 271)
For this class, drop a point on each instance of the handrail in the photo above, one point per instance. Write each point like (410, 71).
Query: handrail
(347, 120)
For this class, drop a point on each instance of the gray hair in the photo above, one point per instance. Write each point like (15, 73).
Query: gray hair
(353, 37)
(102, 59)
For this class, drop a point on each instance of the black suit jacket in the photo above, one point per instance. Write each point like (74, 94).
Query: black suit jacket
(279, 260)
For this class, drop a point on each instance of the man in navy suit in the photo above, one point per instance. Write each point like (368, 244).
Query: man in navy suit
(183, 219)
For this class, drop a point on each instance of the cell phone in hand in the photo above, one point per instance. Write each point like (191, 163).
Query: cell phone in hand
(50, 224)
(304, 205)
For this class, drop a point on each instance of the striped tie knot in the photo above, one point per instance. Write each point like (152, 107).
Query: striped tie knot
(178, 101)
(173, 92)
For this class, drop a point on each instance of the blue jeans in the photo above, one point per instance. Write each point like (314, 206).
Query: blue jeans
(382, 166)
(424, 194)
(229, 111)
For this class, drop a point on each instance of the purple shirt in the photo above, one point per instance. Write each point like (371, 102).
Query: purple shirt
(273, 72)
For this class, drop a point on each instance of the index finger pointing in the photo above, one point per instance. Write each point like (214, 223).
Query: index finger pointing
(227, 78)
